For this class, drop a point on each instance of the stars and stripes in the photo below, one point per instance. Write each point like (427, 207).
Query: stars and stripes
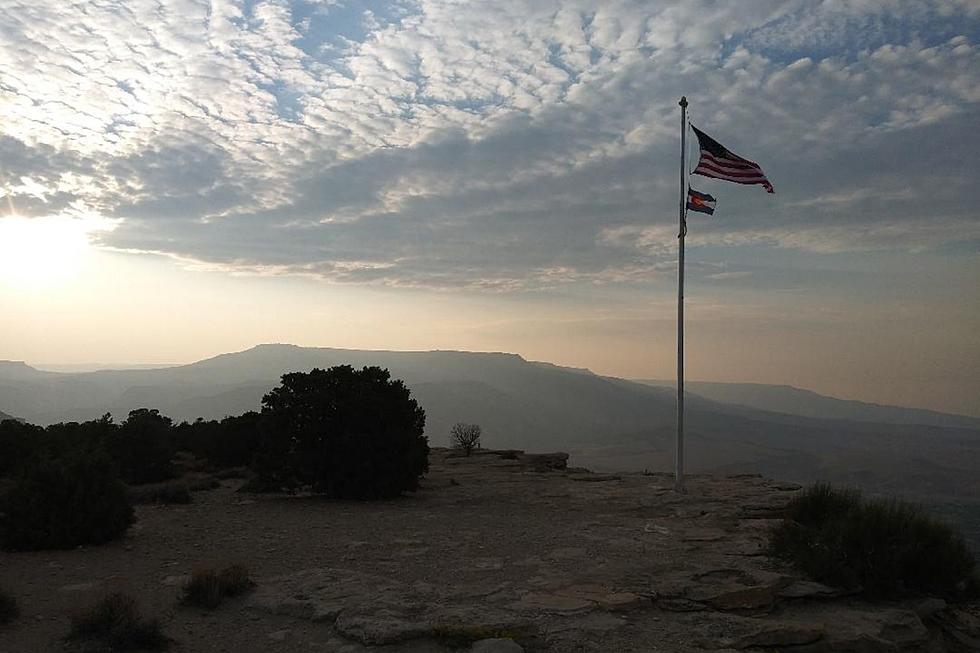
(719, 162)
(700, 202)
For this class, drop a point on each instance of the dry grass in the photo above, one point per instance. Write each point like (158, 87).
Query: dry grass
(116, 622)
(207, 588)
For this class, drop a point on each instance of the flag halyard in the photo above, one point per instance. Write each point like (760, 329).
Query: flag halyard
(718, 162)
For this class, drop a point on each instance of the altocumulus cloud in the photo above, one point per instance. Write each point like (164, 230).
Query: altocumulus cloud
(500, 145)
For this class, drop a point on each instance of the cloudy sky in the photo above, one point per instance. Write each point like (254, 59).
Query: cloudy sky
(180, 178)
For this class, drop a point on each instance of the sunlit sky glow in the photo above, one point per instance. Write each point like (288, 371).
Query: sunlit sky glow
(182, 178)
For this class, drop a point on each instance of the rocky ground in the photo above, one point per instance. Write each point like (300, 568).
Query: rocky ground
(493, 554)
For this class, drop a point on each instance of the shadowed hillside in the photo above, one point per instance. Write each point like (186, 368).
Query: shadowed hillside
(606, 423)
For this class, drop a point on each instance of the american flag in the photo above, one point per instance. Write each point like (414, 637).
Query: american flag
(721, 163)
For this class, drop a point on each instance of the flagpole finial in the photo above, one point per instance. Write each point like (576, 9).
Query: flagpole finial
(683, 101)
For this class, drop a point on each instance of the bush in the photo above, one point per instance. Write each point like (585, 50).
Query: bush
(116, 622)
(207, 588)
(885, 548)
(144, 446)
(465, 437)
(8, 608)
(231, 442)
(343, 432)
(18, 442)
(62, 503)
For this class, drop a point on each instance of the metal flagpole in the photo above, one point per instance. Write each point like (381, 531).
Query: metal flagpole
(679, 455)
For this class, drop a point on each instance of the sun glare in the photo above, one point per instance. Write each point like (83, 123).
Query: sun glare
(38, 252)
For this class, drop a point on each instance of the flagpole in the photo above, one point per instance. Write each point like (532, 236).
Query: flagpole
(679, 454)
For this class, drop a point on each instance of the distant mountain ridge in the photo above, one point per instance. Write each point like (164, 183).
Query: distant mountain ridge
(807, 403)
(605, 423)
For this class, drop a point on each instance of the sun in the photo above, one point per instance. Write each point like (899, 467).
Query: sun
(40, 252)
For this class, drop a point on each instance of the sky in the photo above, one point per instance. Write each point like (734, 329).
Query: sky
(182, 178)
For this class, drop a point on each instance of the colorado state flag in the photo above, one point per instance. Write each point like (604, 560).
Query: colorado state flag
(701, 202)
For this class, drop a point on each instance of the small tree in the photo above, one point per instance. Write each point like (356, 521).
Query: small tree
(465, 437)
(351, 434)
(144, 446)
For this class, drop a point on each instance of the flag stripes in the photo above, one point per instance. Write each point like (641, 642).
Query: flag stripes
(719, 162)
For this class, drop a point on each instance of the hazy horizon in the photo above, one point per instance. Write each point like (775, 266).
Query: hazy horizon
(183, 179)
(93, 367)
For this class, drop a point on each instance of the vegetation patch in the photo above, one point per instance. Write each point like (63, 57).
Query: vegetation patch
(883, 547)
(63, 503)
(207, 588)
(116, 622)
(9, 610)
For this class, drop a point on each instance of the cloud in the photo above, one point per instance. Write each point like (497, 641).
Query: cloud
(511, 145)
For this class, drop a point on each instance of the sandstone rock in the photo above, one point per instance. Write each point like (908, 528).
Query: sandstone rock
(592, 622)
(737, 590)
(703, 535)
(650, 527)
(783, 486)
(869, 630)
(496, 645)
(80, 587)
(902, 627)
(488, 564)
(546, 461)
(805, 589)
(595, 478)
(380, 628)
(567, 553)
(780, 634)
(929, 607)
(175, 580)
(750, 598)
(680, 605)
(554, 603)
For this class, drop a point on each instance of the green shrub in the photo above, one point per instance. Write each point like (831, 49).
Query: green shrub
(8, 608)
(207, 588)
(346, 433)
(116, 622)
(63, 503)
(883, 547)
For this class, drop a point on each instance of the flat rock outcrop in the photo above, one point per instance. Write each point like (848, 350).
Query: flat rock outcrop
(499, 552)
